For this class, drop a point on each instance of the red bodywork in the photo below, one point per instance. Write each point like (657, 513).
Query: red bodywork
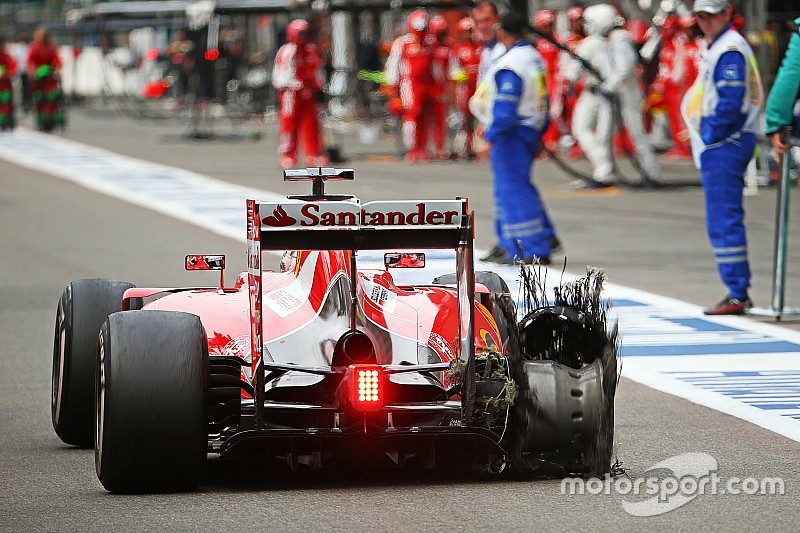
(297, 316)
(285, 347)
(407, 324)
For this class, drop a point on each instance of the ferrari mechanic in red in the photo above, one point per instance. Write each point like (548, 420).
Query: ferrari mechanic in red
(42, 53)
(7, 61)
(8, 68)
(409, 71)
(545, 21)
(464, 72)
(442, 57)
(44, 67)
(681, 75)
(298, 77)
(575, 34)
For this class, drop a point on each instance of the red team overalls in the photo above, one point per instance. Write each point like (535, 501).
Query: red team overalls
(442, 57)
(44, 62)
(8, 68)
(680, 76)
(409, 70)
(545, 21)
(297, 75)
(466, 59)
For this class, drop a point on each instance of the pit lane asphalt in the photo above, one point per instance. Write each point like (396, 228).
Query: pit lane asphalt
(54, 232)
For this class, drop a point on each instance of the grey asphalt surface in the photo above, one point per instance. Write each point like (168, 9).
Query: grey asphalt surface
(52, 232)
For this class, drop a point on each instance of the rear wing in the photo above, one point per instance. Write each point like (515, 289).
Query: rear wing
(350, 225)
(317, 222)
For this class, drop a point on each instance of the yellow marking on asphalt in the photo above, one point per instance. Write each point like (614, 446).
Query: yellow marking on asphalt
(586, 193)
(381, 158)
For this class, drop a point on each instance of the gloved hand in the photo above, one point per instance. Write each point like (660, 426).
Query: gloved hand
(459, 76)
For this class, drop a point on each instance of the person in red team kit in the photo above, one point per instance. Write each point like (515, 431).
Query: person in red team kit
(8, 69)
(43, 52)
(575, 34)
(298, 77)
(409, 71)
(44, 67)
(464, 72)
(442, 57)
(545, 21)
(680, 76)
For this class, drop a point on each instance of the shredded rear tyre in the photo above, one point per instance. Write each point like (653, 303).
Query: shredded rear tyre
(568, 374)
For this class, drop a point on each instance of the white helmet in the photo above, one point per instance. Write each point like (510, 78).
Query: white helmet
(599, 19)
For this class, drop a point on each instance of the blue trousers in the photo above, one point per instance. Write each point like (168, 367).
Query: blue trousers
(522, 225)
(722, 171)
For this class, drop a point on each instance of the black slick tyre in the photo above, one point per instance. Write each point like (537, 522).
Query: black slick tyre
(152, 402)
(84, 306)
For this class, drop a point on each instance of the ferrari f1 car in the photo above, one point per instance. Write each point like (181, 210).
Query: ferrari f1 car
(325, 363)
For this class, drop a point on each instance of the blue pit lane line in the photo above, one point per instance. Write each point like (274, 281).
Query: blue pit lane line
(666, 344)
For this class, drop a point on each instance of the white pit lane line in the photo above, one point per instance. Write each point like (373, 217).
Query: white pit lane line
(743, 368)
(213, 204)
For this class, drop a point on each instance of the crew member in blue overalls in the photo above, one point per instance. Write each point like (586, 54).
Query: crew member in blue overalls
(512, 103)
(723, 113)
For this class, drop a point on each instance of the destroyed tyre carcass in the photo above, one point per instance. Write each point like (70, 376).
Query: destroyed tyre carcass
(567, 374)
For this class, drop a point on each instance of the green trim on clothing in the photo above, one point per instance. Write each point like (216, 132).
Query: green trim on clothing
(785, 90)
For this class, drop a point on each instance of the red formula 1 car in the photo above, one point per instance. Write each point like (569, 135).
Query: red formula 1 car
(325, 363)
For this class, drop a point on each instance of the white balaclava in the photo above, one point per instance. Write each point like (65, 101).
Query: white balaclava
(599, 19)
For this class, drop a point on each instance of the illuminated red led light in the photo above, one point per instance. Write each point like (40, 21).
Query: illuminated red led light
(152, 54)
(212, 54)
(368, 388)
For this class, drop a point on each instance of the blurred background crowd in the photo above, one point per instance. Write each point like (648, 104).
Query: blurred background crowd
(162, 57)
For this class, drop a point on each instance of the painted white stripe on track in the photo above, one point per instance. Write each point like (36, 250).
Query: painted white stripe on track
(212, 204)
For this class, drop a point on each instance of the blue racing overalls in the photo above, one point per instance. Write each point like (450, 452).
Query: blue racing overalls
(723, 114)
(519, 114)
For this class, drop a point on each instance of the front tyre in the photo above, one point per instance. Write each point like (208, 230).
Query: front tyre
(84, 306)
(152, 402)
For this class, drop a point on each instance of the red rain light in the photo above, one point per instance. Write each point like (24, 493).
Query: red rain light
(367, 387)
(212, 54)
